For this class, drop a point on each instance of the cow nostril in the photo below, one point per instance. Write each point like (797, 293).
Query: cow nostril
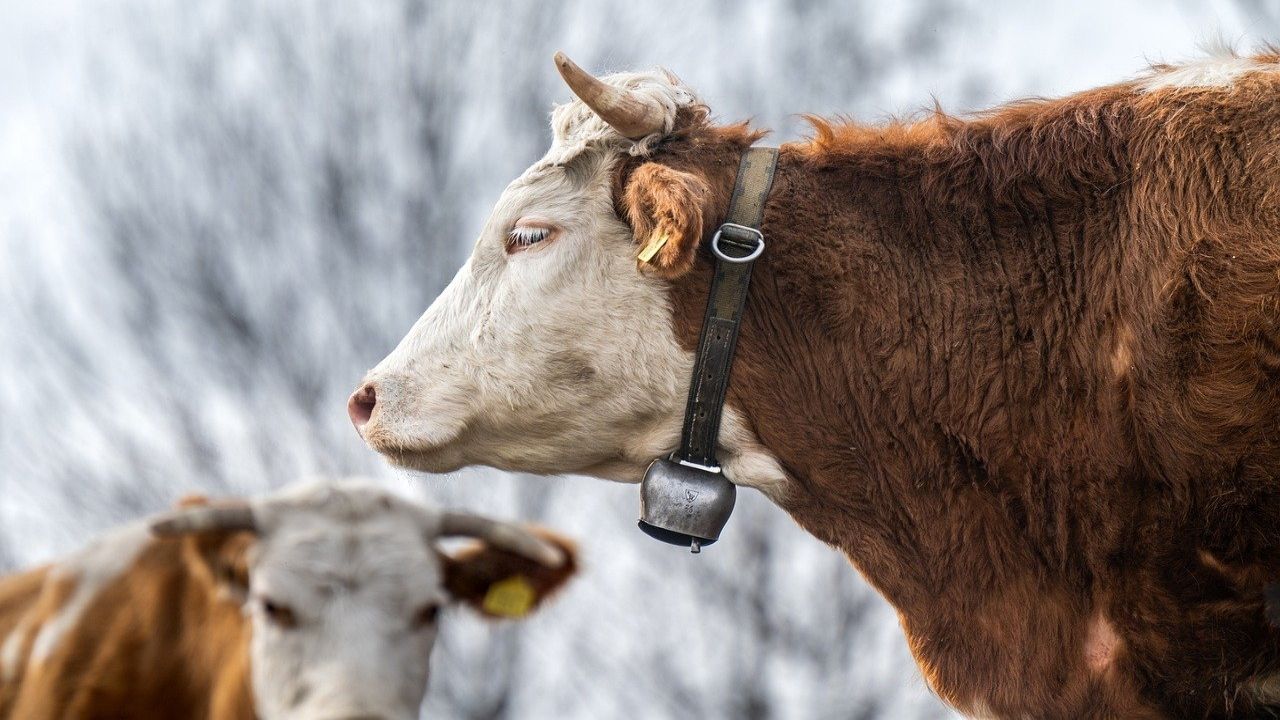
(360, 406)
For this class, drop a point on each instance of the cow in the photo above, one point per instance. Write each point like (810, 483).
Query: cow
(319, 602)
(1021, 367)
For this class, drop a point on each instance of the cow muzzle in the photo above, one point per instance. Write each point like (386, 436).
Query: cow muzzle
(411, 423)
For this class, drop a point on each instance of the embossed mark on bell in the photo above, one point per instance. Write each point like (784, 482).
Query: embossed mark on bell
(684, 503)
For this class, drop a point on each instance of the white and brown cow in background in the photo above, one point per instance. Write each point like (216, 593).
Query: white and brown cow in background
(316, 603)
(1022, 368)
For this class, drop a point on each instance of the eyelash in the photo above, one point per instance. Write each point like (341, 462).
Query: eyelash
(521, 238)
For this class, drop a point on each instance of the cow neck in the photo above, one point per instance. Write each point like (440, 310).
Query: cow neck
(862, 458)
(867, 456)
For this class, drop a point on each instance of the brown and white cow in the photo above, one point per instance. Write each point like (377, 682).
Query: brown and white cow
(1022, 368)
(317, 603)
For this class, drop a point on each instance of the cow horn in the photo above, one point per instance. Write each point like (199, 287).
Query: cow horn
(505, 536)
(627, 111)
(205, 518)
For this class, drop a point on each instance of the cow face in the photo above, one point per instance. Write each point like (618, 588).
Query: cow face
(343, 585)
(546, 338)
(552, 350)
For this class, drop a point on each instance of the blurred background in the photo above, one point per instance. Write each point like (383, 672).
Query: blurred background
(216, 215)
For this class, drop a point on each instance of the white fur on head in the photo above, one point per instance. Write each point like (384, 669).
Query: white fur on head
(354, 568)
(557, 359)
(550, 360)
(576, 129)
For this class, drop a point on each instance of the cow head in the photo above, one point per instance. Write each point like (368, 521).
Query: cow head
(342, 586)
(553, 349)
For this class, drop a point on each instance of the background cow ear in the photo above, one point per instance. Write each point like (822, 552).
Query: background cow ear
(222, 556)
(501, 584)
(665, 208)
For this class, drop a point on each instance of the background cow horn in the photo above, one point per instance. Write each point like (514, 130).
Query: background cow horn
(204, 519)
(628, 112)
(502, 535)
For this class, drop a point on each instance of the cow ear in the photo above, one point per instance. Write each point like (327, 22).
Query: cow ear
(501, 584)
(220, 556)
(665, 208)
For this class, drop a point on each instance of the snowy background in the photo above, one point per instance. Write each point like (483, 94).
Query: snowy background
(215, 215)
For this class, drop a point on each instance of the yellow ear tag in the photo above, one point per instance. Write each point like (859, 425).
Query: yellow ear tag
(510, 598)
(655, 244)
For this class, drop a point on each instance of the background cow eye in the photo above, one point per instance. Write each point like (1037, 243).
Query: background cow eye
(426, 615)
(279, 614)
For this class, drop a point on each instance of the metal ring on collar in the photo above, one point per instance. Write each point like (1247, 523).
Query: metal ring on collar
(734, 227)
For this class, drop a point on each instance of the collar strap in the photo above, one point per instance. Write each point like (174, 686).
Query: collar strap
(686, 500)
(736, 245)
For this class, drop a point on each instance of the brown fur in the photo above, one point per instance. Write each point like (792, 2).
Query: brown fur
(21, 611)
(661, 202)
(167, 639)
(1024, 370)
(159, 641)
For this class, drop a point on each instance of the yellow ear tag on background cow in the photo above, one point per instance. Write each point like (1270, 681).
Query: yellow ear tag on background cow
(510, 598)
(655, 244)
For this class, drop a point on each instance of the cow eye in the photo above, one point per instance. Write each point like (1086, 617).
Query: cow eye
(523, 237)
(426, 615)
(279, 613)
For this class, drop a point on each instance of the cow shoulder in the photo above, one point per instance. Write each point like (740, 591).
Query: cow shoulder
(133, 614)
(19, 596)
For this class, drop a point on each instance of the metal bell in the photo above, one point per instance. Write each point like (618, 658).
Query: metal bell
(685, 504)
